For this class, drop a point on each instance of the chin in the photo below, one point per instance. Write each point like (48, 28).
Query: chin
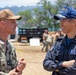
(64, 32)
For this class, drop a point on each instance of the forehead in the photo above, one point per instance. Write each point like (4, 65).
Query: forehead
(10, 20)
(67, 19)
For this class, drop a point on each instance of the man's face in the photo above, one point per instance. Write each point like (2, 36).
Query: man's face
(66, 25)
(10, 26)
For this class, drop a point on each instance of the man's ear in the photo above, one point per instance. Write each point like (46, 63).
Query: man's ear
(74, 22)
(3, 23)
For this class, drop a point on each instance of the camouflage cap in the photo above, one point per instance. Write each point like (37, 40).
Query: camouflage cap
(8, 14)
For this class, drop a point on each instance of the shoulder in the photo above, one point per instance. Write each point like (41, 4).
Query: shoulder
(11, 46)
(1, 42)
(10, 43)
(57, 43)
(59, 39)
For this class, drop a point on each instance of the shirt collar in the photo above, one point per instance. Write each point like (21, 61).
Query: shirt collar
(74, 39)
(1, 42)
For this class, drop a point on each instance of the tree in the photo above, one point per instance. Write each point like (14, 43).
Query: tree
(48, 12)
(43, 16)
(26, 17)
(61, 3)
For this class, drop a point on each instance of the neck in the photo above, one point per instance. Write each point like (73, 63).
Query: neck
(3, 36)
(72, 34)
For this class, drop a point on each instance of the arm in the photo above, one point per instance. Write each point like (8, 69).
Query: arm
(64, 67)
(10, 56)
(3, 62)
(17, 65)
(3, 67)
(49, 63)
(69, 67)
(2, 73)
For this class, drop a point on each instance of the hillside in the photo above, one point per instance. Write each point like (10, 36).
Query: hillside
(17, 9)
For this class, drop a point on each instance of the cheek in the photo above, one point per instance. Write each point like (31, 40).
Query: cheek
(8, 28)
(65, 29)
(68, 29)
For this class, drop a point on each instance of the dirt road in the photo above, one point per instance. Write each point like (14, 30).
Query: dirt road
(33, 57)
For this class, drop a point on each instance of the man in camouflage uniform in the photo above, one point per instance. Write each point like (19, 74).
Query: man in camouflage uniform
(8, 61)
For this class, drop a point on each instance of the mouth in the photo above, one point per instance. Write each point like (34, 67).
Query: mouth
(61, 28)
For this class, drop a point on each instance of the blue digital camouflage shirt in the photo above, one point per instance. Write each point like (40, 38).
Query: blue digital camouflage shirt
(8, 60)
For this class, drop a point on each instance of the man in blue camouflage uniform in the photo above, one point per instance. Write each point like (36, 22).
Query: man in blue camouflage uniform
(61, 59)
(8, 61)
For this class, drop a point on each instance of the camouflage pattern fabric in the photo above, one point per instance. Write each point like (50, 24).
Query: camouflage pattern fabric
(8, 60)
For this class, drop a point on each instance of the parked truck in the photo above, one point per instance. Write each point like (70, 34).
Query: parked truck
(30, 33)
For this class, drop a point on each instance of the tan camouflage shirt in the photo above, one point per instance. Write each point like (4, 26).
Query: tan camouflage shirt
(8, 59)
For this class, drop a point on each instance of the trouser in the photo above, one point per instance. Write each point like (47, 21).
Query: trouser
(46, 45)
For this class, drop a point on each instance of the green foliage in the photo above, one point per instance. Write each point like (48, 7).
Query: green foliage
(43, 17)
(61, 3)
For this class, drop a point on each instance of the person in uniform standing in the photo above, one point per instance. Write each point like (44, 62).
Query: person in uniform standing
(44, 37)
(8, 60)
(61, 58)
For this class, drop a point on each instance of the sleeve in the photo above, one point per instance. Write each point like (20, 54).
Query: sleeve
(14, 59)
(2, 61)
(2, 73)
(3, 57)
(68, 71)
(13, 56)
(49, 63)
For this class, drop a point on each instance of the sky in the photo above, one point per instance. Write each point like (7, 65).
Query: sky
(10, 3)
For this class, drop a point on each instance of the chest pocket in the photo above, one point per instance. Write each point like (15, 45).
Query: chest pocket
(72, 54)
(59, 54)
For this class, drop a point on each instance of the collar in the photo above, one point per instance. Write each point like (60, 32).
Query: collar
(1, 42)
(64, 39)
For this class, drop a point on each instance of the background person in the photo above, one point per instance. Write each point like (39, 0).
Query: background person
(8, 60)
(59, 34)
(47, 40)
(61, 59)
(44, 37)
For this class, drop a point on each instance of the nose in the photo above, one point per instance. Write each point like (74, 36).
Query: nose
(61, 22)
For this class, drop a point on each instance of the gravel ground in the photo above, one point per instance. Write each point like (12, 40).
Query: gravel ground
(33, 57)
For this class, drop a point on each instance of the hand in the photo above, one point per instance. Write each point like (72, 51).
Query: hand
(12, 72)
(19, 73)
(21, 65)
(68, 63)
